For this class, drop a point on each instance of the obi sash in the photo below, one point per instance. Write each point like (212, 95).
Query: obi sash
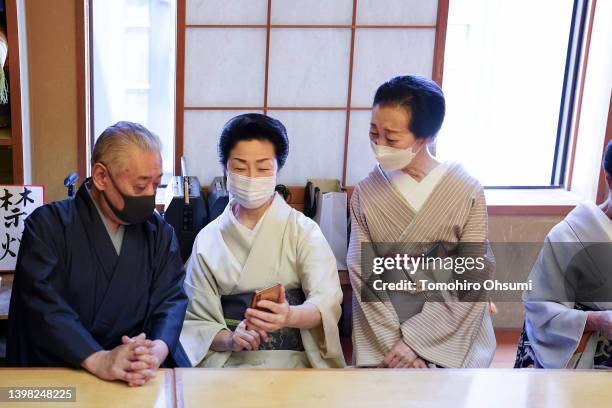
(287, 338)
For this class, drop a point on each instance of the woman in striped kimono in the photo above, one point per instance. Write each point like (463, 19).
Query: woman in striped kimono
(423, 206)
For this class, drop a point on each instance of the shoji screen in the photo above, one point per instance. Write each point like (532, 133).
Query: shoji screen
(313, 64)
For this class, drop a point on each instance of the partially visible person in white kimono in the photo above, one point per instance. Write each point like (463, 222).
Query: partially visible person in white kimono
(568, 312)
(422, 205)
(257, 241)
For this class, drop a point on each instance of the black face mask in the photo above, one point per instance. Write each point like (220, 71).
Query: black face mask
(136, 209)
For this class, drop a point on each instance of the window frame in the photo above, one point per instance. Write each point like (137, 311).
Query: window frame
(85, 97)
(569, 106)
(85, 106)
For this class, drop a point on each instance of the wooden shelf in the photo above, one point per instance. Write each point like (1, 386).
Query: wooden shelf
(5, 137)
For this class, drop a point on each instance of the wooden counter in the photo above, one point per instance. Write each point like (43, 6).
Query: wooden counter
(90, 391)
(393, 388)
(189, 387)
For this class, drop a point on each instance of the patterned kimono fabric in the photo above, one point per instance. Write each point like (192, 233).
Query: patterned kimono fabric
(447, 329)
(570, 277)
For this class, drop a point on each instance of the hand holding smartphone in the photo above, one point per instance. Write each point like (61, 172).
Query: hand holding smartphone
(271, 293)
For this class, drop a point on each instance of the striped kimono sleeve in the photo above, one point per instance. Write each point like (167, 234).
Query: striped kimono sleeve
(370, 345)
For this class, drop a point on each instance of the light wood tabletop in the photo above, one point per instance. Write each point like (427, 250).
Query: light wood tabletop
(90, 391)
(394, 388)
(498, 388)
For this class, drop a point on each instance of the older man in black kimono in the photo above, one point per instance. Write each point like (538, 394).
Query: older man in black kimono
(99, 279)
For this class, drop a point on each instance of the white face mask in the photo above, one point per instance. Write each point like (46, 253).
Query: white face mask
(391, 158)
(250, 192)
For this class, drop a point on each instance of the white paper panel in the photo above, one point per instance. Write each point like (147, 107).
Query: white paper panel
(201, 137)
(384, 53)
(360, 157)
(316, 145)
(397, 12)
(224, 67)
(309, 67)
(312, 11)
(226, 12)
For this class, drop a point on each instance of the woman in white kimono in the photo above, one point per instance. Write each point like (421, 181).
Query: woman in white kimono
(259, 240)
(424, 207)
(568, 312)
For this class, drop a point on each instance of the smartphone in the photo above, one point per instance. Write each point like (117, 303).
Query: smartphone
(271, 293)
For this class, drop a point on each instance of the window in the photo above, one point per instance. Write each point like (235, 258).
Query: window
(133, 63)
(313, 64)
(510, 75)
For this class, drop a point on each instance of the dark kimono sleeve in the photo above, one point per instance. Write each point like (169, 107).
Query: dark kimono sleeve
(167, 297)
(51, 323)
